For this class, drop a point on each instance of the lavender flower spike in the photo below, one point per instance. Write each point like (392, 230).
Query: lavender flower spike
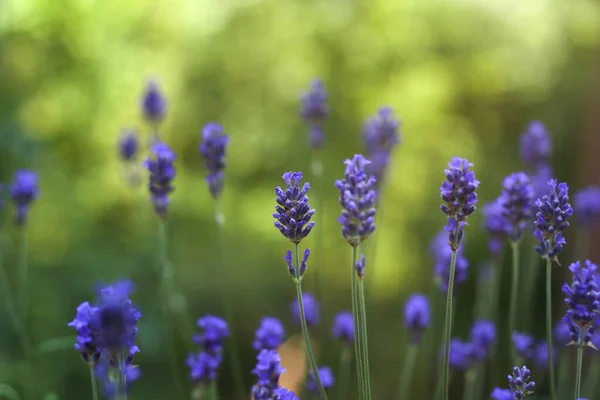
(293, 212)
(129, 145)
(583, 299)
(553, 210)
(326, 376)
(416, 315)
(84, 342)
(154, 104)
(162, 174)
(459, 196)
(284, 394)
(502, 394)
(311, 309)
(269, 335)
(496, 224)
(23, 191)
(520, 382)
(314, 111)
(343, 327)
(587, 205)
(536, 145)
(517, 201)
(212, 149)
(268, 370)
(357, 199)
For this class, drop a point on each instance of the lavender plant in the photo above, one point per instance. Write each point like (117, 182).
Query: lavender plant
(520, 382)
(154, 107)
(343, 331)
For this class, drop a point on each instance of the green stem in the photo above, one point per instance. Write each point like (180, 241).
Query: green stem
(93, 380)
(470, 382)
(212, 391)
(448, 327)
(345, 367)
(307, 346)
(549, 328)
(7, 295)
(363, 337)
(317, 170)
(226, 295)
(580, 346)
(514, 292)
(357, 328)
(23, 320)
(407, 371)
(166, 279)
(565, 368)
(590, 386)
(532, 273)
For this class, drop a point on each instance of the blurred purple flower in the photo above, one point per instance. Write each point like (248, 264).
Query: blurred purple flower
(536, 145)
(162, 174)
(23, 191)
(212, 149)
(293, 212)
(154, 104)
(442, 255)
(311, 309)
(269, 335)
(326, 376)
(314, 111)
(416, 315)
(586, 204)
(343, 327)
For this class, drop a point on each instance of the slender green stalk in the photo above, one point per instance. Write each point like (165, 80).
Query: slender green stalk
(590, 385)
(357, 327)
(565, 369)
(307, 346)
(226, 295)
(580, 346)
(166, 279)
(533, 270)
(363, 337)
(408, 367)
(448, 327)
(344, 375)
(317, 171)
(549, 329)
(514, 292)
(470, 383)
(7, 295)
(23, 320)
(212, 391)
(93, 380)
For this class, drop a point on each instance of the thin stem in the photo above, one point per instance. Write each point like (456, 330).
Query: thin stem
(212, 391)
(580, 346)
(470, 381)
(307, 346)
(590, 385)
(448, 326)
(549, 328)
(317, 170)
(7, 292)
(23, 326)
(565, 369)
(357, 328)
(231, 346)
(166, 278)
(514, 292)
(345, 367)
(93, 380)
(407, 371)
(363, 337)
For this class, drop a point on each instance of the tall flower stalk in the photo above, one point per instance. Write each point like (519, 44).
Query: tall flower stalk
(343, 330)
(292, 218)
(553, 210)
(459, 196)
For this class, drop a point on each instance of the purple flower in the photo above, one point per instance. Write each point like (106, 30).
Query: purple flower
(269, 335)
(23, 191)
(496, 224)
(540, 355)
(583, 298)
(520, 382)
(360, 266)
(297, 274)
(162, 174)
(517, 201)
(416, 315)
(129, 145)
(539, 180)
(381, 137)
(460, 354)
(212, 149)
(284, 394)
(343, 327)
(214, 332)
(502, 394)
(293, 212)
(203, 366)
(314, 111)
(442, 254)
(357, 199)
(522, 343)
(153, 103)
(311, 309)
(84, 342)
(587, 204)
(483, 337)
(326, 376)
(459, 196)
(268, 370)
(536, 145)
(553, 210)
(561, 333)
(111, 386)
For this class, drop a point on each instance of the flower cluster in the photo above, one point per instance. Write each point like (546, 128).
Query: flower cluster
(293, 212)
(297, 273)
(520, 382)
(496, 224)
(154, 104)
(461, 353)
(587, 204)
(583, 299)
(314, 111)
(162, 174)
(416, 315)
(204, 365)
(553, 210)
(483, 338)
(502, 394)
(129, 145)
(442, 255)
(517, 201)
(459, 196)
(269, 335)
(523, 345)
(23, 191)
(311, 309)
(343, 327)
(357, 199)
(268, 370)
(326, 376)
(212, 149)
(536, 146)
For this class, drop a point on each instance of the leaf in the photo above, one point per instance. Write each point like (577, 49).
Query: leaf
(8, 392)
(56, 344)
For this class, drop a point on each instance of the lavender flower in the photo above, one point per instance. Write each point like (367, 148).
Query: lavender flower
(303, 264)
(551, 220)
(314, 111)
(84, 342)
(311, 309)
(284, 394)
(23, 191)
(326, 376)
(343, 327)
(483, 338)
(496, 224)
(203, 366)
(442, 255)
(459, 196)
(540, 355)
(381, 137)
(357, 199)
(460, 354)
(153, 103)
(293, 211)
(536, 145)
(269, 335)
(583, 298)
(416, 315)
(520, 382)
(587, 204)
(539, 180)
(360, 266)
(561, 333)
(162, 173)
(268, 370)
(502, 394)
(517, 200)
(522, 343)
(212, 149)
(214, 332)
(129, 145)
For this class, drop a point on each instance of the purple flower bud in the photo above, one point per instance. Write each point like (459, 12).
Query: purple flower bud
(23, 191)
(326, 376)
(343, 327)
(587, 205)
(311, 309)
(212, 149)
(520, 382)
(269, 335)
(153, 103)
(360, 266)
(416, 315)
(162, 174)
(314, 111)
(536, 145)
(517, 201)
(129, 145)
(293, 212)
(523, 344)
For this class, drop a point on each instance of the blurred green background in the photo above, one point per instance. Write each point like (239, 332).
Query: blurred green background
(465, 77)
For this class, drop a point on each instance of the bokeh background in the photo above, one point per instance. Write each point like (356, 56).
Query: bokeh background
(464, 76)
